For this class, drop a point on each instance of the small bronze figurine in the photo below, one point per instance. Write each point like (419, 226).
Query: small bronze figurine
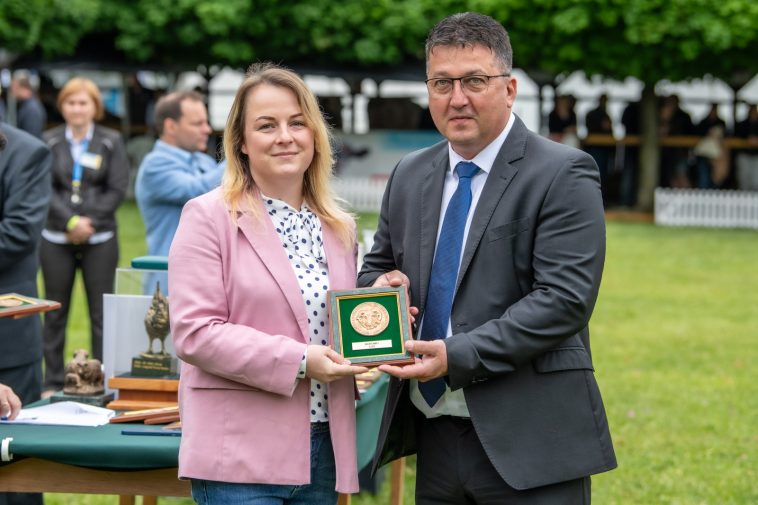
(157, 323)
(84, 376)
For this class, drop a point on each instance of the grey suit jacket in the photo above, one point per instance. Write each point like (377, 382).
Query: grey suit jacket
(24, 196)
(528, 282)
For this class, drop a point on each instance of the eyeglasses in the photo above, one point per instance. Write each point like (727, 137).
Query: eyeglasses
(471, 83)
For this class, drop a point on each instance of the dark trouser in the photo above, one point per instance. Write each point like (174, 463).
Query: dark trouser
(452, 468)
(26, 381)
(59, 263)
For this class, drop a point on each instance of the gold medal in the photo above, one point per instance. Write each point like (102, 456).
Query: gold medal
(369, 318)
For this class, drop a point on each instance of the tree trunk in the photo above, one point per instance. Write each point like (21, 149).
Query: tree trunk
(649, 152)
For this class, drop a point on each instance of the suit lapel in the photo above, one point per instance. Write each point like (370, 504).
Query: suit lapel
(499, 178)
(62, 153)
(267, 245)
(431, 200)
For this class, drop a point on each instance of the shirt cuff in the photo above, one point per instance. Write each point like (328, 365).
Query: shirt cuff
(301, 370)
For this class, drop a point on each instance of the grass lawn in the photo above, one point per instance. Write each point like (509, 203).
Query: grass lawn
(674, 338)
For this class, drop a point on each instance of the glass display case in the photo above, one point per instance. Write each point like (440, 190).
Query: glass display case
(124, 334)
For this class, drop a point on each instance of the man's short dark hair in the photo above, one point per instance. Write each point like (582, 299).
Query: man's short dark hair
(468, 29)
(170, 107)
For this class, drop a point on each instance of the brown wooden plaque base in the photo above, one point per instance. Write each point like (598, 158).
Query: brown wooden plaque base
(137, 393)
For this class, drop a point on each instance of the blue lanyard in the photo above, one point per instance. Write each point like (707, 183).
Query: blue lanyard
(76, 177)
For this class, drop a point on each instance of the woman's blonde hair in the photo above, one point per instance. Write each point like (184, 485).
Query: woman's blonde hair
(238, 184)
(78, 84)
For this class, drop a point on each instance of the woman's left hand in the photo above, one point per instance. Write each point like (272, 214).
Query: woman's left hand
(326, 365)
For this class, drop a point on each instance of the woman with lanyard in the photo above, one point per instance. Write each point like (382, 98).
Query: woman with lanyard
(90, 174)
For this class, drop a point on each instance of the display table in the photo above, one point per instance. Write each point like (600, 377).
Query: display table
(69, 459)
(100, 460)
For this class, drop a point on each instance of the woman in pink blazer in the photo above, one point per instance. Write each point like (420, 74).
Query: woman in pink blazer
(267, 407)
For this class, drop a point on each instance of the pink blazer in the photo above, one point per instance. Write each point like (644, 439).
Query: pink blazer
(240, 325)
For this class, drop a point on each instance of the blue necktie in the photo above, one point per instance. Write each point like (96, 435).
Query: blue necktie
(439, 301)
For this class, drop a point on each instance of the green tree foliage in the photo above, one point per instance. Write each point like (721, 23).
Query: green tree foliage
(50, 27)
(648, 39)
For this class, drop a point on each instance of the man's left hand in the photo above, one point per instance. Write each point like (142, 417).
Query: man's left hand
(431, 364)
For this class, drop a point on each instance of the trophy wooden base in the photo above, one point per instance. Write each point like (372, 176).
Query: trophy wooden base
(99, 400)
(138, 393)
(146, 365)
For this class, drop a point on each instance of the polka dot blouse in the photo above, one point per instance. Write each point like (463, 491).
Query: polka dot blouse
(301, 236)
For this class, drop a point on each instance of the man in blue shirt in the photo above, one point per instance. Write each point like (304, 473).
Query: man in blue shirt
(177, 169)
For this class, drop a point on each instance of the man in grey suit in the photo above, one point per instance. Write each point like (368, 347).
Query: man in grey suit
(24, 195)
(499, 235)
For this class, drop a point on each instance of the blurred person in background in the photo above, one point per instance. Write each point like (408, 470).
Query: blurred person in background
(673, 121)
(631, 119)
(30, 113)
(561, 121)
(598, 122)
(177, 169)
(747, 159)
(90, 173)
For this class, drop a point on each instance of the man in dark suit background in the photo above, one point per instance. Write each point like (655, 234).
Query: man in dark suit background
(24, 195)
(499, 235)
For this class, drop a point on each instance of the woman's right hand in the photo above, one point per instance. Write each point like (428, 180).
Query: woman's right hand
(326, 365)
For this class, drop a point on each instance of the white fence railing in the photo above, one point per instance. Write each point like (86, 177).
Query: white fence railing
(706, 207)
(364, 194)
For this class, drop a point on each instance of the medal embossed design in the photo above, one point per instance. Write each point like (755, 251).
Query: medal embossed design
(369, 318)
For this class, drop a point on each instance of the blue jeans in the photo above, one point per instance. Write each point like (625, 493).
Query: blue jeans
(319, 492)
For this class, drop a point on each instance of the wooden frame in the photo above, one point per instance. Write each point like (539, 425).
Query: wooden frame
(369, 326)
(15, 305)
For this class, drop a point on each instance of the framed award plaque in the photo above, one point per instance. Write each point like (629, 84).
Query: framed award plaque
(369, 326)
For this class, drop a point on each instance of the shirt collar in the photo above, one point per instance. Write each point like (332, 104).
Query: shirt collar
(88, 137)
(486, 157)
(172, 149)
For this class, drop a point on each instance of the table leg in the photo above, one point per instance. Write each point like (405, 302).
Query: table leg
(149, 500)
(343, 499)
(125, 500)
(397, 481)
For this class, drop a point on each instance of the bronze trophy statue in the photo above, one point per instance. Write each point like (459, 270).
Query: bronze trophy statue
(150, 363)
(157, 323)
(83, 381)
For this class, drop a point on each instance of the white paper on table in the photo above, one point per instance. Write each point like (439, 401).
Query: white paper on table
(64, 414)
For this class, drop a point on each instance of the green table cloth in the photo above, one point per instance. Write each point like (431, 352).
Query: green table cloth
(105, 447)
